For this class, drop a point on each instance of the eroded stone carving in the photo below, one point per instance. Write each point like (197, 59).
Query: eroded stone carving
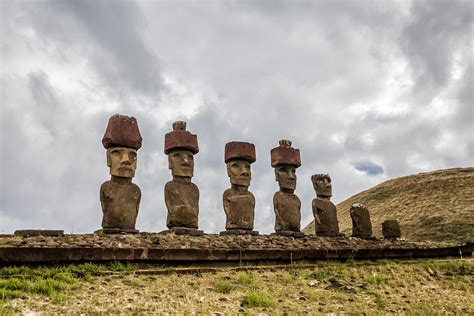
(181, 195)
(391, 229)
(286, 204)
(238, 201)
(324, 211)
(119, 197)
(361, 225)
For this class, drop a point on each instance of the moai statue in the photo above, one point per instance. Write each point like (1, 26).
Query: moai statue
(391, 229)
(119, 197)
(324, 211)
(239, 202)
(361, 225)
(286, 204)
(181, 195)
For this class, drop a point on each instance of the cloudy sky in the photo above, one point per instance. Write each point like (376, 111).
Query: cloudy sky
(367, 90)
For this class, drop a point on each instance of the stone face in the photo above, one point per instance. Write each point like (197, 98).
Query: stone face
(287, 207)
(361, 225)
(122, 161)
(182, 202)
(120, 200)
(181, 163)
(286, 204)
(324, 211)
(179, 138)
(122, 131)
(181, 195)
(391, 229)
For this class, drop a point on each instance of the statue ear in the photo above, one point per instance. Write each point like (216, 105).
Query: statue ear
(109, 162)
(169, 162)
(227, 165)
(276, 174)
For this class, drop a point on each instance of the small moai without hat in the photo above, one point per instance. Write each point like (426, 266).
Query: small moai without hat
(361, 225)
(238, 201)
(391, 229)
(287, 206)
(181, 195)
(119, 197)
(324, 211)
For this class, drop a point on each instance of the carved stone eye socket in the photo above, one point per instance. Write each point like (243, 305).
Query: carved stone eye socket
(115, 153)
(133, 156)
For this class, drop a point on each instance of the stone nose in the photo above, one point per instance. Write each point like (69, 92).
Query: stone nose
(244, 173)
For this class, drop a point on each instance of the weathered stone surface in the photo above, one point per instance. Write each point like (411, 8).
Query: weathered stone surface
(324, 211)
(238, 232)
(211, 248)
(181, 195)
(285, 155)
(289, 233)
(239, 207)
(122, 161)
(391, 229)
(182, 202)
(119, 197)
(39, 232)
(118, 231)
(186, 231)
(286, 204)
(120, 200)
(179, 138)
(287, 207)
(240, 150)
(361, 225)
(122, 131)
(238, 202)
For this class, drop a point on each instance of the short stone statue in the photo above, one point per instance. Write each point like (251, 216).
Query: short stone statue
(361, 225)
(119, 197)
(324, 211)
(286, 204)
(181, 195)
(391, 229)
(238, 201)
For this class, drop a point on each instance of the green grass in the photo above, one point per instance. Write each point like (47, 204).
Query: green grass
(224, 287)
(258, 299)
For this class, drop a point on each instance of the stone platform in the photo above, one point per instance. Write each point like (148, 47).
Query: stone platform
(168, 247)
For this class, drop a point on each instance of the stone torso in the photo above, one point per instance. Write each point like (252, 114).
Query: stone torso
(287, 207)
(182, 201)
(361, 225)
(326, 211)
(120, 204)
(239, 208)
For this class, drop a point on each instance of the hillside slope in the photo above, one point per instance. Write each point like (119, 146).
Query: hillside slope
(436, 205)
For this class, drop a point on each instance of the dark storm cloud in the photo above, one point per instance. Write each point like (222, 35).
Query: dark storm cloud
(371, 168)
(346, 81)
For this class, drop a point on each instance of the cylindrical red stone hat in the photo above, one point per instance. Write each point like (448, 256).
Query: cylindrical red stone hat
(285, 155)
(180, 138)
(240, 150)
(122, 131)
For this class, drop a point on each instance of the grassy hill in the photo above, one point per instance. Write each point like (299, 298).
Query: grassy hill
(435, 206)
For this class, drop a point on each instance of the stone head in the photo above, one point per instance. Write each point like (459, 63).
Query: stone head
(286, 176)
(239, 172)
(322, 184)
(122, 161)
(181, 163)
(356, 210)
(238, 157)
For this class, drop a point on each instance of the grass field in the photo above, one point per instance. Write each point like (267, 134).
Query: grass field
(355, 287)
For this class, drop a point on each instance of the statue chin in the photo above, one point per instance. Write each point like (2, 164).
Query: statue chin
(242, 182)
(324, 193)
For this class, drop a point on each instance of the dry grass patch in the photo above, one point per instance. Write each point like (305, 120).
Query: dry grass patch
(417, 286)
